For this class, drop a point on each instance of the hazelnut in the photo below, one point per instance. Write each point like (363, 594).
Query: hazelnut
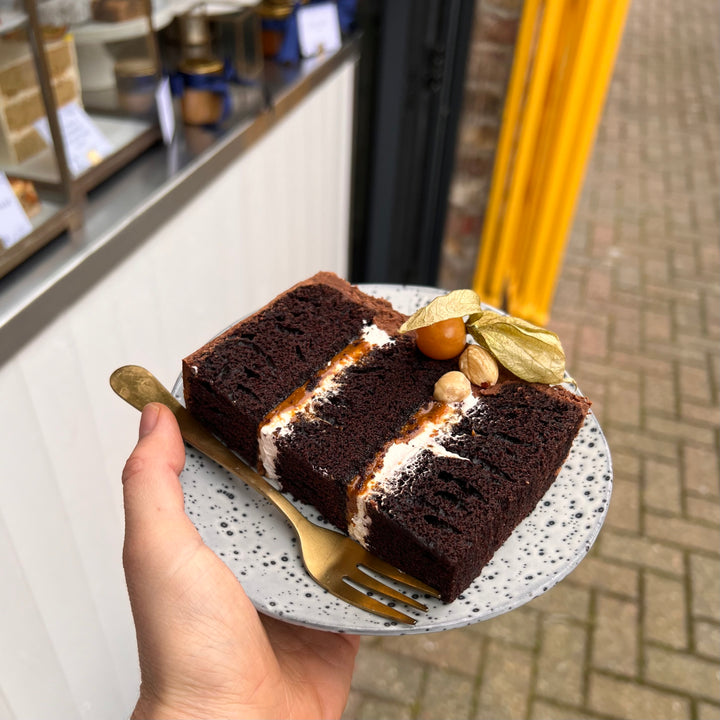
(479, 366)
(453, 386)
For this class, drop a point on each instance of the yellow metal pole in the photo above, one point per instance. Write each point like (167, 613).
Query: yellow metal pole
(522, 169)
(593, 105)
(487, 279)
(552, 124)
(545, 251)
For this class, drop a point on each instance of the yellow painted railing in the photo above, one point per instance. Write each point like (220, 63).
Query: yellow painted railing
(564, 57)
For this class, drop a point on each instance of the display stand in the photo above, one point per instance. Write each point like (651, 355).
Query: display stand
(94, 40)
(131, 136)
(128, 136)
(60, 210)
(63, 192)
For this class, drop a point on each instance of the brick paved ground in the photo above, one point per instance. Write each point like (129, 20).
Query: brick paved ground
(634, 632)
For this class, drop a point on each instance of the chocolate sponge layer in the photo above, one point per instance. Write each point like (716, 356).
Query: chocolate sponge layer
(235, 380)
(450, 515)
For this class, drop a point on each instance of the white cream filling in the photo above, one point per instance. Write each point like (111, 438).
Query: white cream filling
(280, 424)
(401, 455)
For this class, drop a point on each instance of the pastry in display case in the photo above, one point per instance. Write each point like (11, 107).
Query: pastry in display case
(21, 101)
(59, 14)
(27, 196)
(117, 10)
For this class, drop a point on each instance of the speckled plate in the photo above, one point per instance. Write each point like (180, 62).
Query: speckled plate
(258, 544)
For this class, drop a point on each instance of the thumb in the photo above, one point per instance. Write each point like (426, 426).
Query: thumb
(156, 526)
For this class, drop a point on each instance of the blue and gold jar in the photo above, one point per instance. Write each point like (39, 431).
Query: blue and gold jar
(205, 98)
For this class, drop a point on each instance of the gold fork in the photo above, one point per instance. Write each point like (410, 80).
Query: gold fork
(334, 561)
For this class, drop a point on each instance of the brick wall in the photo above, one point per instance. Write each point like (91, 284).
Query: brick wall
(489, 64)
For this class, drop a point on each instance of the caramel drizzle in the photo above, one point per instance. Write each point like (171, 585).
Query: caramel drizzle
(434, 413)
(301, 397)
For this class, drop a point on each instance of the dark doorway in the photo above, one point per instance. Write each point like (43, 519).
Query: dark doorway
(409, 94)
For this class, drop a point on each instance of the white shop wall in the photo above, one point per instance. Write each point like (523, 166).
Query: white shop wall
(274, 217)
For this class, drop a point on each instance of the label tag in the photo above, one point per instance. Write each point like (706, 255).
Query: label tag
(14, 223)
(166, 114)
(318, 29)
(85, 145)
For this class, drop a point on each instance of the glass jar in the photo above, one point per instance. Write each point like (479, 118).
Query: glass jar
(239, 39)
(195, 41)
(274, 15)
(205, 96)
(136, 80)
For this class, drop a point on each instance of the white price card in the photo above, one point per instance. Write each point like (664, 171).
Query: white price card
(166, 114)
(318, 29)
(14, 223)
(85, 145)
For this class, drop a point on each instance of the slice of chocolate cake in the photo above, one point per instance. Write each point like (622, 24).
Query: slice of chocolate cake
(321, 392)
(448, 495)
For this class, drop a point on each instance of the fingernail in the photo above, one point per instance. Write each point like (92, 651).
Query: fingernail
(149, 418)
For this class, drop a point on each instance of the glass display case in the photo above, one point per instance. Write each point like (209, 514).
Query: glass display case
(84, 85)
(59, 139)
(33, 70)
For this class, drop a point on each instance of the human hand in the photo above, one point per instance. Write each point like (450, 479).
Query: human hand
(204, 650)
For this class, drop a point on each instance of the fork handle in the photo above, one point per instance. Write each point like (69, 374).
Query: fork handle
(138, 387)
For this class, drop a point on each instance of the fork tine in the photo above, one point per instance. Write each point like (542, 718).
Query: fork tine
(352, 595)
(383, 568)
(368, 581)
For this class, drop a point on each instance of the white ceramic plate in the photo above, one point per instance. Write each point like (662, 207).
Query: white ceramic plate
(259, 546)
